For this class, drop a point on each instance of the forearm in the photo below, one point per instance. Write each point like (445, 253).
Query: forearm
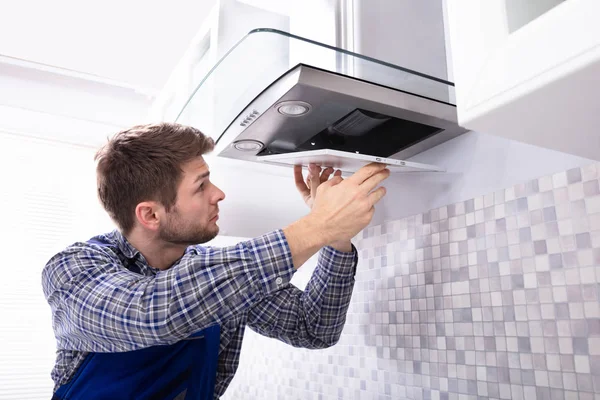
(305, 238)
(315, 317)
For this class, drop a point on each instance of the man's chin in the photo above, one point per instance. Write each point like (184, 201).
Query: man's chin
(210, 235)
(190, 240)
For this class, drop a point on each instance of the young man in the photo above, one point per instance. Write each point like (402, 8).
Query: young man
(144, 312)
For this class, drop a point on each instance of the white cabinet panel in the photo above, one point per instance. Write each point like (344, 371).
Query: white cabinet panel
(529, 72)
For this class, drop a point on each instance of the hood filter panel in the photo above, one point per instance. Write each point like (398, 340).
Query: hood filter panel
(364, 132)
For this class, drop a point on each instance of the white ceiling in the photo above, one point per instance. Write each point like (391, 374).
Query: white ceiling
(133, 41)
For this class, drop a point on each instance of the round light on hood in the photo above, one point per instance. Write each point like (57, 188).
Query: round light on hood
(293, 108)
(248, 145)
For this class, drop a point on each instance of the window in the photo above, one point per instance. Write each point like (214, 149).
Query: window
(48, 201)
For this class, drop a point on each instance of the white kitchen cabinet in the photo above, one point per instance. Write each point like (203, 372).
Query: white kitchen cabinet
(529, 70)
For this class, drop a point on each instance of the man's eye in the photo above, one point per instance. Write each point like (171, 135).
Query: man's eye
(201, 187)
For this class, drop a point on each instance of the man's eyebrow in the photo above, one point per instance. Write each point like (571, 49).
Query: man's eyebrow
(204, 175)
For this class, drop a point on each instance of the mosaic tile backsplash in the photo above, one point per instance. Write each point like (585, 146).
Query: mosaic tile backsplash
(497, 297)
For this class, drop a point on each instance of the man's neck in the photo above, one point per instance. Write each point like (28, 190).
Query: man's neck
(159, 254)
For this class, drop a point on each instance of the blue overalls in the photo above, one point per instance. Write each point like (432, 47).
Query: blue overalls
(185, 370)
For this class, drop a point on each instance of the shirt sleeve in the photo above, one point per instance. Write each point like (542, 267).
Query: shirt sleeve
(98, 305)
(313, 318)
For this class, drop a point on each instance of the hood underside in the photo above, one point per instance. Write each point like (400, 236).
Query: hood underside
(339, 113)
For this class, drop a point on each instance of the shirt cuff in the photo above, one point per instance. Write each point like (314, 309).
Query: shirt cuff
(273, 258)
(338, 264)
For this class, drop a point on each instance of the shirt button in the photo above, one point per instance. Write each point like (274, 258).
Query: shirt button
(279, 281)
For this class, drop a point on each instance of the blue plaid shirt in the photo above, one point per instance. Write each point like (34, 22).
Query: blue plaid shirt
(108, 299)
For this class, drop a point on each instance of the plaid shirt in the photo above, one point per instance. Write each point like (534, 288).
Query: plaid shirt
(108, 299)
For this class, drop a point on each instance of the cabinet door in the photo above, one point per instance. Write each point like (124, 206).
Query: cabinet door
(529, 70)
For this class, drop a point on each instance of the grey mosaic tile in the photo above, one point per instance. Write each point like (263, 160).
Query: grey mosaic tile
(496, 297)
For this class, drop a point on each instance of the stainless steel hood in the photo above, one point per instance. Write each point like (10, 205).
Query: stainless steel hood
(276, 93)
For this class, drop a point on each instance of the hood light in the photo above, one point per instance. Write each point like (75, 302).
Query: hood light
(248, 145)
(293, 108)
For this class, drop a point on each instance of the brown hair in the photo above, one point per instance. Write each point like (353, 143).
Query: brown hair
(145, 163)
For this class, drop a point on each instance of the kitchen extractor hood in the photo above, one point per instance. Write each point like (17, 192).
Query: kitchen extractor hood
(278, 94)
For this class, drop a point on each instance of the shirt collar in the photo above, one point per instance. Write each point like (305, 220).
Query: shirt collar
(123, 244)
(132, 253)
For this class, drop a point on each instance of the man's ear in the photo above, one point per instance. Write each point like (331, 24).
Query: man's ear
(148, 214)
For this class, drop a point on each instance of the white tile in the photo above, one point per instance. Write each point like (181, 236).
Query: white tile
(530, 281)
(538, 232)
(514, 252)
(521, 313)
(499, 211)
(560, 293)
(587, 274)
(470, 219)
(541, 378)
(576, 311)
(565, 227)
(595, 222)
(542, 263)
(561, 196)
(558, 278)
(563, 211)
(553, 245)
(526, 250)
(576, 191)
(568, 243)
(553, 362)
(545, 295)
(496, 299)
(592, 204)
(523, 220)
(533, 313)
(582, 364)
(591, 309)
(545, 183)
(547, 311)
(581, 225)
(595, 236)
(559, 179)
(589, 172)
(534, 202)
(519, 297)
(509, 194)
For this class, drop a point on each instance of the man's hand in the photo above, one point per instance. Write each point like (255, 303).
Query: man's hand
(340, 209)
(308, 191)
(316, 176)
(346, 206)
(355, 193)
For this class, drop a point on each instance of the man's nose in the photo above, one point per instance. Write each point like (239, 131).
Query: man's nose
(220, 195)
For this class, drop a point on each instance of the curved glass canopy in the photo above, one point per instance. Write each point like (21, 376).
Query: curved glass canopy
(264, 55)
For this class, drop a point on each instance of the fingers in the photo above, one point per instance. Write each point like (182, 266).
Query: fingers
(300, 185)
(372, 182)
(326, 173)
(314, 178)
(365, 173)
(334, 181)
(376, 195)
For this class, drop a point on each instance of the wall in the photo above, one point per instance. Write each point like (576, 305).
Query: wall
(402, 32)
(495, 297)
(475, 163)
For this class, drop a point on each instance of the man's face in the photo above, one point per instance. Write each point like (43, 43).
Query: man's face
(193, 218)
